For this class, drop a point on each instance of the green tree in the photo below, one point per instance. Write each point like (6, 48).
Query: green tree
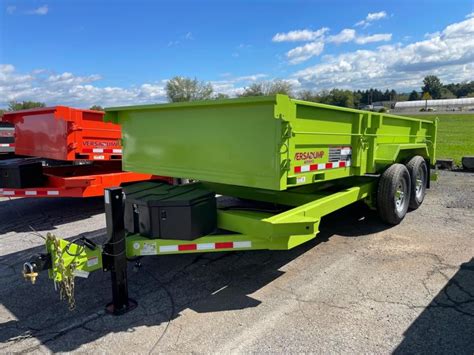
(433, 86)
(255, 89)
(265, 88)
(280, 87)
(181, 89)
(338, 97)
(24, 105)
(221, 96)
(446, 94)
(96, 108)
(308, 95)
(414, 96)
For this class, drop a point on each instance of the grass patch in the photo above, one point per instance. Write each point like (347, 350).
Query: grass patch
(455, 135)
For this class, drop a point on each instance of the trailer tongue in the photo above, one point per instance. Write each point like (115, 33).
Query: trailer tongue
(285, 164)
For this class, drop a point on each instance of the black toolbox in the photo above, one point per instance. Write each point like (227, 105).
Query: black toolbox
(158, 210)
(19, 173)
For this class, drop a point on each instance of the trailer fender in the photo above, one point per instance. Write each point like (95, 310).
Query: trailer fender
(387, 154)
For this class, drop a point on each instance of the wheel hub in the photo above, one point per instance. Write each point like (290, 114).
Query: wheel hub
(400, 196)
(419, 182)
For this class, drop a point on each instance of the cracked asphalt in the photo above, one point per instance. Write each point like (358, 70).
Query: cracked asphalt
(360, 286)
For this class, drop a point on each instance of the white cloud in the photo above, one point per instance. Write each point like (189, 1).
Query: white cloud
(69, 89)
(11, 9)
(300, 35)
(376, 16)
(470, 15)
(42, 10)
(302, 53)
(85, 91)
(233, 86)
(371, 17)
(379, 37)
(346, 35)
(450, 55)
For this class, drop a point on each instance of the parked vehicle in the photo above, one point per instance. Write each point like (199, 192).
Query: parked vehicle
(285, 164)
(65, 152)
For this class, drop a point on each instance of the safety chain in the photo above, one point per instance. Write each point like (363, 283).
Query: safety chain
(66, 285)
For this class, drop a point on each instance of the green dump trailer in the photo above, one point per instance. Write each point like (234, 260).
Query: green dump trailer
(282, 163)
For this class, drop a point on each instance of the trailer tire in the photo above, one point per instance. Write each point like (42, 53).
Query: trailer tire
(419, 174)
(393, 194)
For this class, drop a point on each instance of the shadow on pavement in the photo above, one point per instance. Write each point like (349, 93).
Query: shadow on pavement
(46, 213)
(447, 323)
(164, 286)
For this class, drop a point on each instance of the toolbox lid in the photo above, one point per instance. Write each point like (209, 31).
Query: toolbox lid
(156, 194)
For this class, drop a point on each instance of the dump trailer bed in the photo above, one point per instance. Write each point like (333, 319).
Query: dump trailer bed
(266, 142)
(65, 133)
(80, 154)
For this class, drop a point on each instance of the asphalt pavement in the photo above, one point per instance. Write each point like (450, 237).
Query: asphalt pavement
(359, 287)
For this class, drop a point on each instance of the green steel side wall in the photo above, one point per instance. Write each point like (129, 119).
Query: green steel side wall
(253, 141)
(376, 139)
(235, 146)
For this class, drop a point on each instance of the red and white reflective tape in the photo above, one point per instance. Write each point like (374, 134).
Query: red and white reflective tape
(22, 193)
(205, 246)
(102, 150)
(7, 145)
(322, 166)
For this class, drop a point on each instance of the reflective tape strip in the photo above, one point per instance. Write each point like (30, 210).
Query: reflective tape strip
(322, 166)
(7, 145)
(205, 246)
(102, 150)
(168, 248)
(4, 192)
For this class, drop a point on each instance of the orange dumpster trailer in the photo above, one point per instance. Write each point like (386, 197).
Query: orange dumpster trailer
(65, 152)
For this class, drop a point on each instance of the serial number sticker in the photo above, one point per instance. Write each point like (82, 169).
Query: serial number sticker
(92, 261)
(99, 157)
(346, 151)
(301, 180)
(148, 249)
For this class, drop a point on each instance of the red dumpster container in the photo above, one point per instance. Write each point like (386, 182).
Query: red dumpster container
(64, 133)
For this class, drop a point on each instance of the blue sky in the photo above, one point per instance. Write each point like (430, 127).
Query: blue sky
(114, 52)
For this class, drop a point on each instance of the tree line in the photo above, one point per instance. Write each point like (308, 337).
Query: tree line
(180, 89)
(183, 89)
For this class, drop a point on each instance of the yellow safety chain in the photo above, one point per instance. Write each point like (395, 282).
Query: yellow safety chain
(66, 285)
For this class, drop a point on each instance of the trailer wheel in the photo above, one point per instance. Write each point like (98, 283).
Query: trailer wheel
(419, 175)
(393, 194)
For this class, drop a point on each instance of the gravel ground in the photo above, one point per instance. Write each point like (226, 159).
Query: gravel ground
(360, 286)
